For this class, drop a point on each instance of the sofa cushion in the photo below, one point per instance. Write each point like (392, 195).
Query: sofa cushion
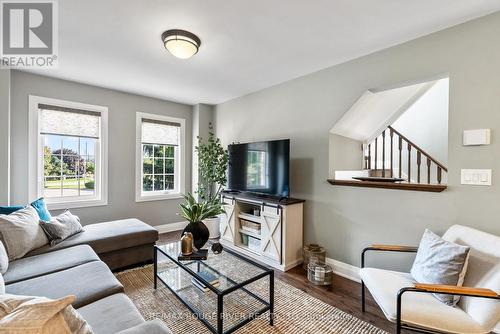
(38, 265)
(108, 236)
(419, 309)
(88, 282)
(155, 326)
(61, 227)
(111, 314)
(21, 232)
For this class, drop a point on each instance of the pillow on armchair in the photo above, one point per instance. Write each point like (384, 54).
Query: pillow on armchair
(440, 262)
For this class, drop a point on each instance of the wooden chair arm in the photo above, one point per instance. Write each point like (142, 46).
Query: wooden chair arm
(396, 248)
(451, 289)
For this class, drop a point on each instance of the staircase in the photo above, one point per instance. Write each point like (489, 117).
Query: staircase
(390, 164)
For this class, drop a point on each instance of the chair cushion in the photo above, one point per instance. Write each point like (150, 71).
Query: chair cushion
(418, 309)
(88, 282)
(43, 264)
(483, 271)
(108, 236)
(111, 314)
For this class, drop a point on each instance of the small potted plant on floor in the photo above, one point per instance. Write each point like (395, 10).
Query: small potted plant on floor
(195, 212)
(212, 166)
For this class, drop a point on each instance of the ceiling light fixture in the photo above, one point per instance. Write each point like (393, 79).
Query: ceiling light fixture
(181, 43)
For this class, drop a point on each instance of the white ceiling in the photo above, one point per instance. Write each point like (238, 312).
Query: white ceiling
(247, 45)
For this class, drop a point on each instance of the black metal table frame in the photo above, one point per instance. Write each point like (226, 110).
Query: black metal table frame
(269, 306)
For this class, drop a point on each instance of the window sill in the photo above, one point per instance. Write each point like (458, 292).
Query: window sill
(75, 204)
(159, 197)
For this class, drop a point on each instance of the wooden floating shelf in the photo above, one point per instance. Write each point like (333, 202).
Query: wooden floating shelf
(436, 188)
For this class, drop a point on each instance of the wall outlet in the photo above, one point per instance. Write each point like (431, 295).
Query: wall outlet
(479, 177)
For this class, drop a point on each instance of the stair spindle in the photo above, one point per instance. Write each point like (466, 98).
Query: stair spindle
(369, 156)
(439, 171)
(383, 153)
(409, 162)
(376, 153)
(428, 170)
(419, 160)
(391, 133)
(400, 157)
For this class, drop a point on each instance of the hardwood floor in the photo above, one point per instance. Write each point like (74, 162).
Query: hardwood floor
(344, 294)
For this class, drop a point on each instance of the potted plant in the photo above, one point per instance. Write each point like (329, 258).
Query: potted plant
(195, 212)
(212, 166)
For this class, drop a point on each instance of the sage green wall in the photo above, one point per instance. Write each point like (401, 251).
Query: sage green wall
(122, 108)
(346, 219)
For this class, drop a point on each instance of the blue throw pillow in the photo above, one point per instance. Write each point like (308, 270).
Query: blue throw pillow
(7, 210)
(40, 207)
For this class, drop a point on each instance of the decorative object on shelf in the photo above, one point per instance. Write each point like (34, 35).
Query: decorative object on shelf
(195, 213)
(256, 212)
(319, 273)
(187, 243)
(250, 226)
(217, 248)
(313, 252)
(181, 43)
(212, 167)
(201, 254)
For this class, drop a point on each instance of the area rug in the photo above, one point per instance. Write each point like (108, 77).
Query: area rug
(295, 311)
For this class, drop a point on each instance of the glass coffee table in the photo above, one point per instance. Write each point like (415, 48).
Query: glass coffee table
(245, 289)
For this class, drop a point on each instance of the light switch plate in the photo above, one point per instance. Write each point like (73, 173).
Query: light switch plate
(479, 177)
(477, 137)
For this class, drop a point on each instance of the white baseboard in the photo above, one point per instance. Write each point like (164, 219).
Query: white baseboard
(165, 228)
(345, 270)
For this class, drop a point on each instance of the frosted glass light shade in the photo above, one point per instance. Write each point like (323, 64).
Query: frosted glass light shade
(180, 43)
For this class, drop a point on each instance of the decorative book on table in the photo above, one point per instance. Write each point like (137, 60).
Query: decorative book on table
(201, 254)
(207, 276)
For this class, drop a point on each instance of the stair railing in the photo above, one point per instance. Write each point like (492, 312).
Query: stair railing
(402, 141)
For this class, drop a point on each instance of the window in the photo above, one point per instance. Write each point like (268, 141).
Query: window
(160, 157)
(68, 150)
(257, 167)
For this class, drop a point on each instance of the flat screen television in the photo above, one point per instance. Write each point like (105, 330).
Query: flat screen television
(260, 168)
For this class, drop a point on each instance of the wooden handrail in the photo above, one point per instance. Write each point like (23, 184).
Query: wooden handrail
(419, 149)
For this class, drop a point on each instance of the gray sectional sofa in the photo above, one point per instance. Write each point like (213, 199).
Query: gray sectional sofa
(80, 266)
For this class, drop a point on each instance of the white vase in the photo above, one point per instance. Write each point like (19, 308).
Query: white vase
(213, 226)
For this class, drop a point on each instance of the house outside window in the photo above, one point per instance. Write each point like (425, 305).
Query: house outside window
(160, 157)
(68, 150)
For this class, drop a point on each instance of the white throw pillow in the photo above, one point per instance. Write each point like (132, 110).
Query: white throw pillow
(440, 262)
(19, 314)
(21, 232)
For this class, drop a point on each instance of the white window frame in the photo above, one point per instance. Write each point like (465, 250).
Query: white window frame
(180, 158)
(35, 164)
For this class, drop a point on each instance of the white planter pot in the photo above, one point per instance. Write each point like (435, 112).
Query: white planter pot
(213, 226)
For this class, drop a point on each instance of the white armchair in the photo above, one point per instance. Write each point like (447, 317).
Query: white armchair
(412, 306)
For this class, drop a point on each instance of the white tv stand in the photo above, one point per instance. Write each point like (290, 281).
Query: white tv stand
(279, 241)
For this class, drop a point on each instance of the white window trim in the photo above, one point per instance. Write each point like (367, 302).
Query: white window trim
(139, 197)
(35, 162)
